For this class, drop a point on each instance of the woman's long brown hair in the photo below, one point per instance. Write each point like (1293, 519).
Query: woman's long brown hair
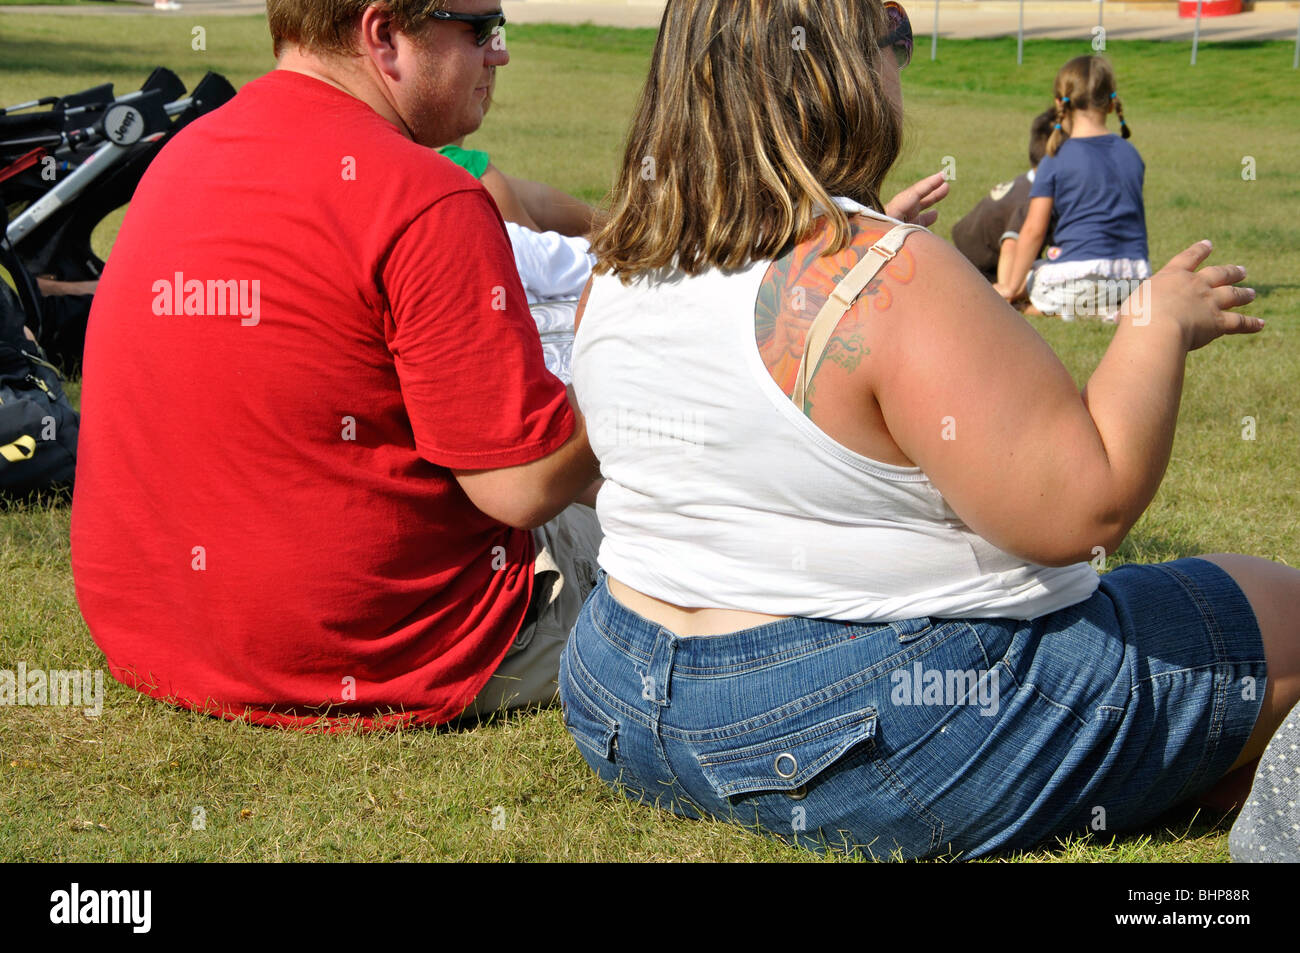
(754, 114)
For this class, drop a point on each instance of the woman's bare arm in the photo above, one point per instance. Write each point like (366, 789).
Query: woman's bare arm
(973, 395)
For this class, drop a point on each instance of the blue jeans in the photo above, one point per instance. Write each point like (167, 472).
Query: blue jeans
(927, 736)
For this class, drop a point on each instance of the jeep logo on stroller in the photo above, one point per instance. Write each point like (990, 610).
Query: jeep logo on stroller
(124, 125)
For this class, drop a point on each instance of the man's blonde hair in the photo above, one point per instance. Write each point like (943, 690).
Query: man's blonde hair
(329, 26)
(754, 114)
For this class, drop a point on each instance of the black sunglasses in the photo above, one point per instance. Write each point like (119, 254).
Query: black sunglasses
(900, 35)
(485, 24)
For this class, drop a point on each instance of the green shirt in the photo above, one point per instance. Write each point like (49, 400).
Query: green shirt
(471, 160)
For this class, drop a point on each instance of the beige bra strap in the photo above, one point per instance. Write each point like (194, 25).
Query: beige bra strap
(837, 305)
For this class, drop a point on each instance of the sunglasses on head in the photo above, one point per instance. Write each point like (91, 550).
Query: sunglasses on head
(485, 24)
(900, 33)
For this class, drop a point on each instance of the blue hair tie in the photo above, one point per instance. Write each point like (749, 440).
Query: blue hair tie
(1113, 95)
(1065, 99)
(1058, 125)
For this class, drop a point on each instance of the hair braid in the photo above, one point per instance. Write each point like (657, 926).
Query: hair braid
(1119, 111)
(1061, 127)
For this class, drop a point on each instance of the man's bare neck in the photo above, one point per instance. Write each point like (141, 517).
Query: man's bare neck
(353, 76)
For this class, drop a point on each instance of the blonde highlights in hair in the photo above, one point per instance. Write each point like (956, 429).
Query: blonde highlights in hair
(1086, 82)
(754, 113)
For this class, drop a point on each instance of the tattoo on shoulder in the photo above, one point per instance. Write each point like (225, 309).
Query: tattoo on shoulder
(797, 286)
(846, 351)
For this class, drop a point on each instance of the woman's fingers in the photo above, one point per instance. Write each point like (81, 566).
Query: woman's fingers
(1230, 297)
(1219, 275)
(1190, 258)
(917, 197)
(937, 193)
(1205, 301)
(1230, 322)
(926, 219)
(924, 187)
(1224, 320)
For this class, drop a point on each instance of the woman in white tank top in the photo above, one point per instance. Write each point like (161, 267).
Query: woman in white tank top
(851, 497)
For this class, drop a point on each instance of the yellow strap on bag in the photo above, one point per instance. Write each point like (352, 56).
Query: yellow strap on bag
(24, 448)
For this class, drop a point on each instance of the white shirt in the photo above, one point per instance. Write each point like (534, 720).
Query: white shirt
(720, 493)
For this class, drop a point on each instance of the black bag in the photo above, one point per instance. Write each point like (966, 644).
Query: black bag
(38, 427)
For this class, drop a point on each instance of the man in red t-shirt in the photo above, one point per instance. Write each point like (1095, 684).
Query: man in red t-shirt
(317, 426)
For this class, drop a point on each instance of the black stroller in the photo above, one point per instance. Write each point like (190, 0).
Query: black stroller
(65, 163)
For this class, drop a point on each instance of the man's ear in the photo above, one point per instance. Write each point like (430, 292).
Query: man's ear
(379, 40)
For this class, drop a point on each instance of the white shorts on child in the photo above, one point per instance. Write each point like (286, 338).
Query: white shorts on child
(1092, 289)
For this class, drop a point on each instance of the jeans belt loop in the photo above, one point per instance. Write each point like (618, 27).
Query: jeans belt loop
(659, 670)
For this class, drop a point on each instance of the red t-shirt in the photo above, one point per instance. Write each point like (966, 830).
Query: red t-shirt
(306, 320)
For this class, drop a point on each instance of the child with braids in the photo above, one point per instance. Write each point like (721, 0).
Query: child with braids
(1092, 179)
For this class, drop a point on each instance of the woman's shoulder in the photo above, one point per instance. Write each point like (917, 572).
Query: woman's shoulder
(811, 266)
(866, 224)
(866, 227)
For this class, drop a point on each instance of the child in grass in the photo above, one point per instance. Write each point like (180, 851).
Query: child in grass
(989, 234)
(1092, 179)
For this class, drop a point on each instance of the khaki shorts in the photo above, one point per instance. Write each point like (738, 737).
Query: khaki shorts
(564, 572)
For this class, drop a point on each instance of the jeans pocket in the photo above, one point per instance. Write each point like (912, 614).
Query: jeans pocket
(820, 783)
(789, 758)
(595, 732)
(816, 772)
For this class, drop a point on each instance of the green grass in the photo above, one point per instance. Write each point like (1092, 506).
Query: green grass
(124, 787)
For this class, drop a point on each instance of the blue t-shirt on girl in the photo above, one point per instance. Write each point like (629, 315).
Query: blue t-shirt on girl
(1095, 184)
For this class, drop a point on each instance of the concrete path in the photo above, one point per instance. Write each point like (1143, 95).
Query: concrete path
(1058, 19)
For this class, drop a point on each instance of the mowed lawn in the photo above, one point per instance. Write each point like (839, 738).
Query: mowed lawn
(132, 784)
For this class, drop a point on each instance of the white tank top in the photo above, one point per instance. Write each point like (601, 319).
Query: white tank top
(720, 493)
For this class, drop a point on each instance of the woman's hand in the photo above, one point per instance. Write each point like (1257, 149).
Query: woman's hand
(910, 204)
(1019, 454)
(1200, 301)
